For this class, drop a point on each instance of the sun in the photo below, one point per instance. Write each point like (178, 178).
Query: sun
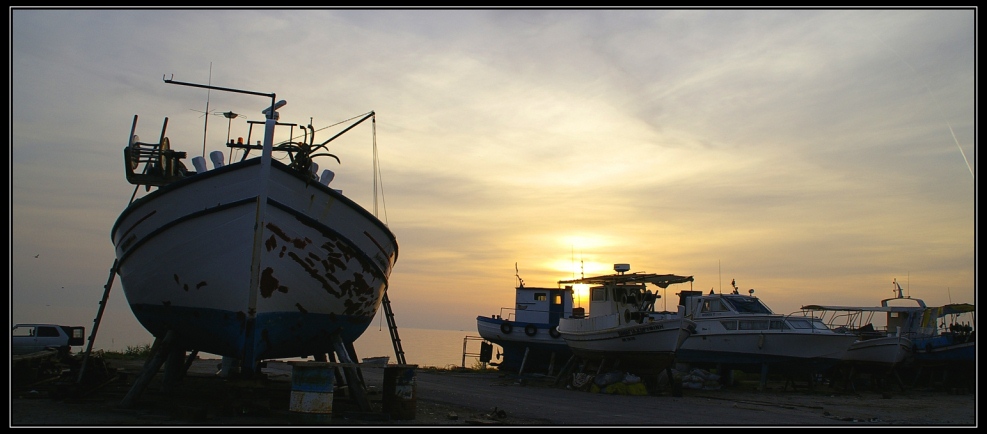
(580, 295)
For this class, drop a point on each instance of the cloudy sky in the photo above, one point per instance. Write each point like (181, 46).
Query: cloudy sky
(813, 155)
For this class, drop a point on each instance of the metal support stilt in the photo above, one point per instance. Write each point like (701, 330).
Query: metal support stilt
(764, 377)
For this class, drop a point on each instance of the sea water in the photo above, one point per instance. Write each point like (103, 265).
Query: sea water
(422, 347)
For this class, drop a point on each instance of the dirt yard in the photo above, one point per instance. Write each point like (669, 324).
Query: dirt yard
(464, 398)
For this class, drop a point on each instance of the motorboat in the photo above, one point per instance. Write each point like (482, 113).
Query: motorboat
(258, 257)
(527, 332)
(623, 325)
(739, 331)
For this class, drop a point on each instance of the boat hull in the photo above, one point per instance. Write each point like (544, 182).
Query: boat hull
(888, 351)
(752, 351)
(253, 262)
(528, 345)
(945, 348)
(649, 345)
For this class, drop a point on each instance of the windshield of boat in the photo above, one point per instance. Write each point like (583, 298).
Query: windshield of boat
(746, 304)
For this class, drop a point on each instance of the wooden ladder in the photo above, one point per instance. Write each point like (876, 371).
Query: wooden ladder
(393, 328)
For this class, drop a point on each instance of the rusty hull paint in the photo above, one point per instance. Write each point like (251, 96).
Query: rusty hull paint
(336, 254)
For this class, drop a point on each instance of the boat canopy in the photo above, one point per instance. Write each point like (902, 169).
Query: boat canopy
(949, 309)
(860, 308)
(660, 280)
(955, 309)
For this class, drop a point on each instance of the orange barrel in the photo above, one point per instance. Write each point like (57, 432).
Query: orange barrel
(311, 393)
(399, 392)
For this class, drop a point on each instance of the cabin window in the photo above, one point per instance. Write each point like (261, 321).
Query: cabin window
(753, 324)
(729, 325)
(540, 296)
(746, 304)
(713, 306)
(778, 325)
(800, 323)
(599, 294)
(557, 299)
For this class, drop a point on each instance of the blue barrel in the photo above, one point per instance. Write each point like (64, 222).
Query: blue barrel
(311, 392)
(399, 392)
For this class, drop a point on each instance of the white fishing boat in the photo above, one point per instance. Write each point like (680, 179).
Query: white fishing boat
(739, 331)
(623, 324)
(528, 332)
(873, 346)
(256, 258)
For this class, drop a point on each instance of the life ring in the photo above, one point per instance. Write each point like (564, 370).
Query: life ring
(506, 327)
(530, 329)
(554, 332)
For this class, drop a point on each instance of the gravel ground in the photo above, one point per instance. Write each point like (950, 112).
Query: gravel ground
(450, 398)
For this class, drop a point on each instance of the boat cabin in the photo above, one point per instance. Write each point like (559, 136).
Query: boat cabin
(625, 293)
(721, 304)
(543, 305)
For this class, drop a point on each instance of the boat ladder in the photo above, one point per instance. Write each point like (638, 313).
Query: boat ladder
(393, 328)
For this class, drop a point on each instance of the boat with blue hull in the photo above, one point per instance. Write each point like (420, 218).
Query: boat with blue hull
(914, 338)
(528, 333)
(935, 341)
(257, 258)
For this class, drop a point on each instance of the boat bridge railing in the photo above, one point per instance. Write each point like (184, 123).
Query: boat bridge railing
(540, 315)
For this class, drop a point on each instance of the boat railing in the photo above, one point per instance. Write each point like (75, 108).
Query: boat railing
(595, 323)
(507, 313)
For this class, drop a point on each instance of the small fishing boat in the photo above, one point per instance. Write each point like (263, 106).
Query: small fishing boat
(912, 335)
(936, 342)
(376, 361)
(879, 352)
(737, 331)
(256, 258)
(528, 332)
(623, 324)
(880, 346)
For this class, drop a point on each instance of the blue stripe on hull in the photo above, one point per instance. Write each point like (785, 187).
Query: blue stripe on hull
(276, 335)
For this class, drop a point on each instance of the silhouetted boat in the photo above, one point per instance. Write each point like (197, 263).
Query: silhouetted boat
(528, 332)
(623, 324)
(255, 259)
